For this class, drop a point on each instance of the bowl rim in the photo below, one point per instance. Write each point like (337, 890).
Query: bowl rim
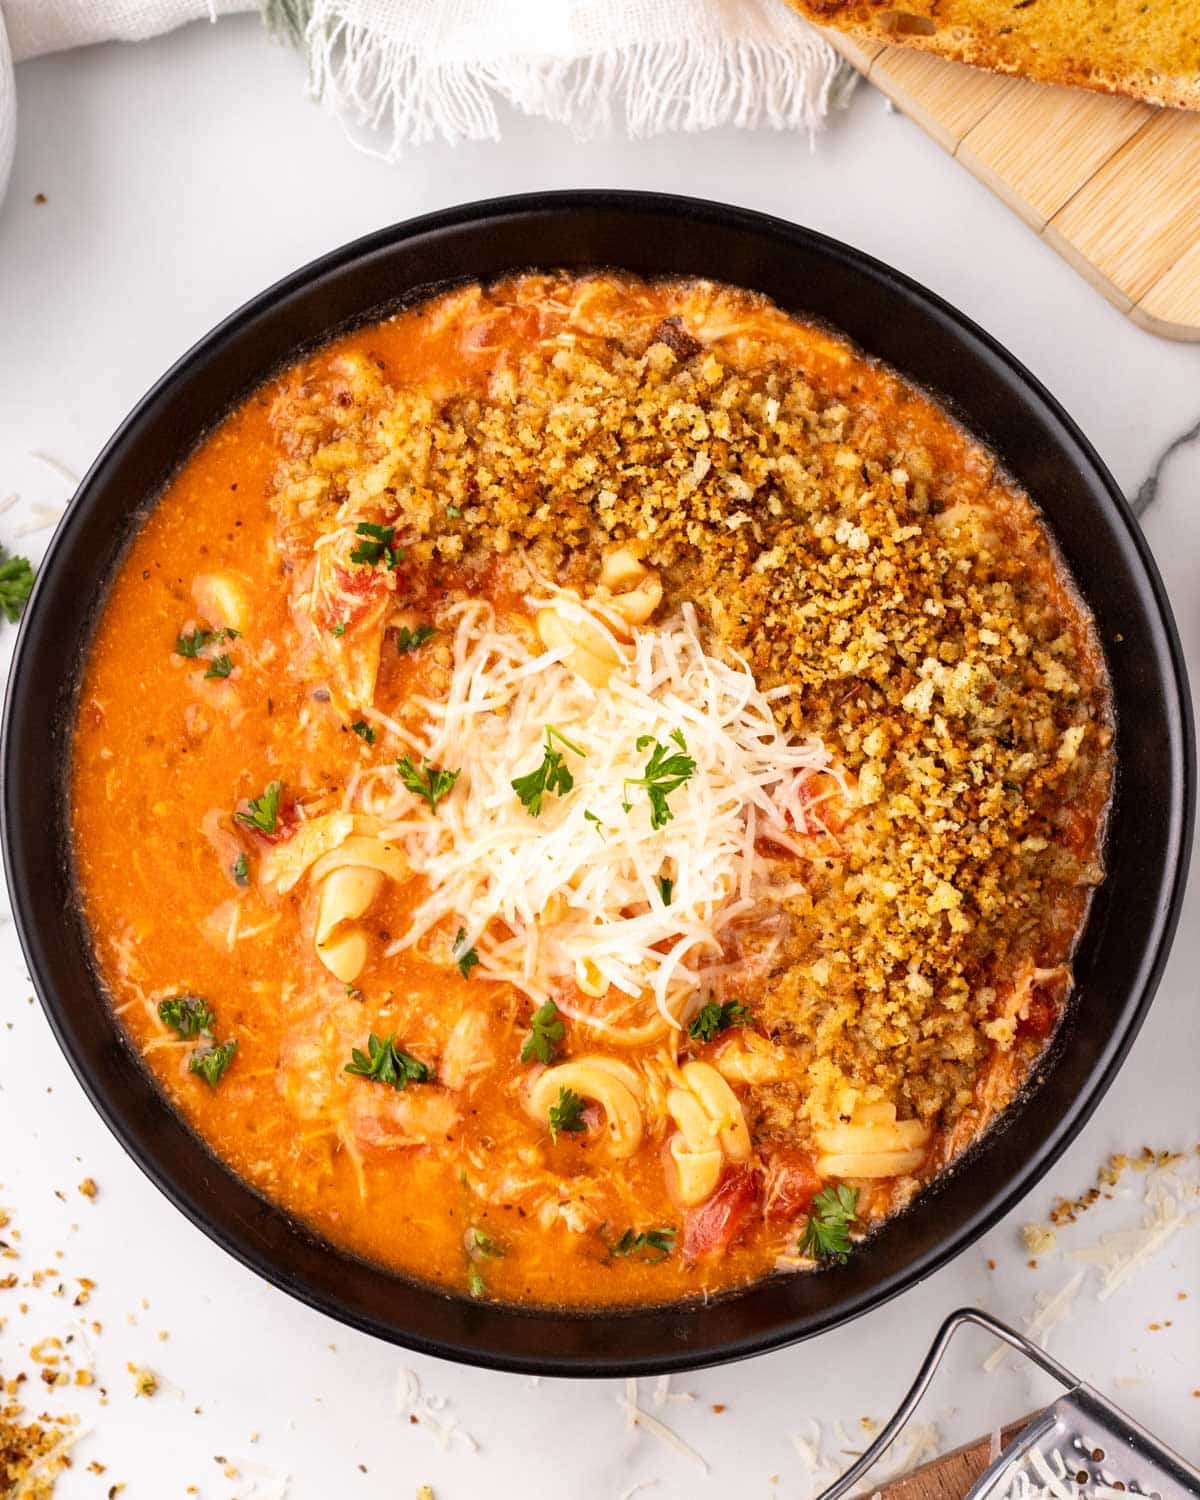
(475, 1351)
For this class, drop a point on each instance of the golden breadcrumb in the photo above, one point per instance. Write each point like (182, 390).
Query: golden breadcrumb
(837, 530)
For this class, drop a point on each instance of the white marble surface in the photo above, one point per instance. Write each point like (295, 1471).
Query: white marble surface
(181, 177)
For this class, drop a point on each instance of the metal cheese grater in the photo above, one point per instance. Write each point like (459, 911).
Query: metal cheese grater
(1080, 1440)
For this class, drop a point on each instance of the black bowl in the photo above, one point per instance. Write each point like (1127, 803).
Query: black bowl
(1128, 931)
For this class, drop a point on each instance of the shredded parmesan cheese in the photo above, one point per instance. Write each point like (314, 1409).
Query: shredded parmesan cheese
(40, 517)
(636, 1417)
(430, 1411)
(574, 892)
(1048, 1314)
(58, 468)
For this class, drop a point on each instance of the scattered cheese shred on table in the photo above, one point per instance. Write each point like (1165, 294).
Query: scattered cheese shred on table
(431, 1411)
(636, 1417)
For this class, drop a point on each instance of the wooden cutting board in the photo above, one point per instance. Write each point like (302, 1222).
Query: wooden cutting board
(1112, 184)
(952, 1475)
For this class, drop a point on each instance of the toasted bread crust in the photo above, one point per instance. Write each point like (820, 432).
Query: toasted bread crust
(1148, 51)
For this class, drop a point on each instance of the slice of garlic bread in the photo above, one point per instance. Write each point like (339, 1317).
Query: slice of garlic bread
(1149, 49)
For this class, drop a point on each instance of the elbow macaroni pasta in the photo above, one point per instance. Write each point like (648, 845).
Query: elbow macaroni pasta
(350, 879)
(627, 595)
(872, 1144)
(611, 1084)
(712, 1129)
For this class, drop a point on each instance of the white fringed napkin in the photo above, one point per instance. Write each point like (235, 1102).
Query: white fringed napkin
(420, 70)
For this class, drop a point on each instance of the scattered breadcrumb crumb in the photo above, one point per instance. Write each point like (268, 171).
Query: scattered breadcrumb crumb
(1038, 1239)
(145, 1381)
(88, 1187)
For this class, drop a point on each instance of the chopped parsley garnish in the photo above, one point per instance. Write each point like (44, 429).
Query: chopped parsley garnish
(546, 1030)
(16, 583)
(711, 1019)
(241, 870)
(408, 640)
(666, 772)
(188, 1015)
(339, 628)
(590, 817)
(380, 545)
(430, 782)
(480, 1243)
(646, 1244)
(364, 731)
(195, 641)
(475, 1282)
(666, 888)
(827, 1233)
(192, 1016)
(220, 666)
(453, 512)
(466, 958)
(551, 776)
(567, 1114)
(384, 1062)
(210, 1062)
(262, 813)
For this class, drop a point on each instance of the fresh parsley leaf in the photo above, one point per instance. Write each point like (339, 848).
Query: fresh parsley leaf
(466, 958)
(241, 870)
(546, 1030)
(16, 583)
(453, 512)
(646, 1244)
(262, 813)
(211, 1062)
(188, 1015)
(198, 640)
(408, 640)
(567, 1114)
(666, 771)
(364, 731)
(338, 629)
(827, 1233)
(551, 776)
(192, 1016)
(482, 1244)
(590, 817)
(220, 666)
(195, 641)
(380, 545)
(666, 887)
(711, 1019)
(384, 1062)
(430, 782)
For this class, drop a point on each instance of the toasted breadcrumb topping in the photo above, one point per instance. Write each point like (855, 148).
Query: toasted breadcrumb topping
(838, 531)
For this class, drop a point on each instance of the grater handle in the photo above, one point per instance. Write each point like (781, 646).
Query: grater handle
(892, 1430)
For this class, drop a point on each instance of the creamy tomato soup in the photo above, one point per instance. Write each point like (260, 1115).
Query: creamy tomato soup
(586, 791)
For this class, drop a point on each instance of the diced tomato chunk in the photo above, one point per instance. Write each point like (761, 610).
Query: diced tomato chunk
(363, 581)
(792, 1183)
(1039, 1017)
(713, 1226)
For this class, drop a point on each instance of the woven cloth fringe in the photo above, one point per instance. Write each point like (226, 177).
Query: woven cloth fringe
(421, 70)
(786, 79)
